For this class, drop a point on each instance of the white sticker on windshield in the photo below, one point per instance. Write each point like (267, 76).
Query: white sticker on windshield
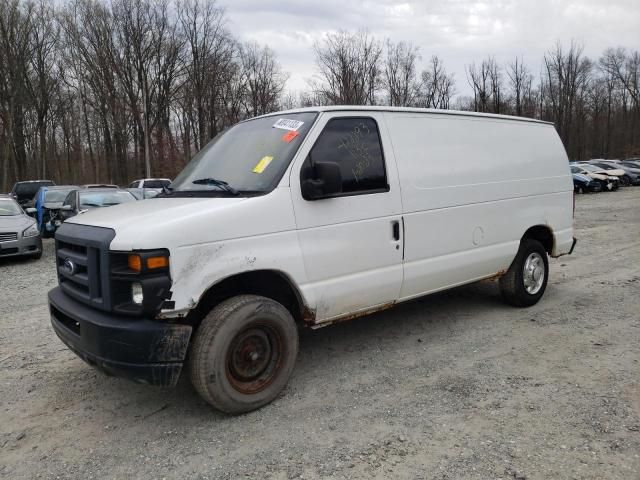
(287, 124)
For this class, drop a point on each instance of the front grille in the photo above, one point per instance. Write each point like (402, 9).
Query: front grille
(74, 263)
(9, 237)
(82, 256)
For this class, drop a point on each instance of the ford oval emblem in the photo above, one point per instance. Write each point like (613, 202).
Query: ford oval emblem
(69, 266)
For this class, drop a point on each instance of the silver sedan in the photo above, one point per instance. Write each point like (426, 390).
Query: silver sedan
(19, 234)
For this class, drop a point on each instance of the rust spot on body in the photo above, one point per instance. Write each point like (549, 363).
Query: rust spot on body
(308, 316)
(495, 276)
(351, 316)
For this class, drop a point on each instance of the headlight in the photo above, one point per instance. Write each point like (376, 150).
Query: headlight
(136, 293)
(31, 231)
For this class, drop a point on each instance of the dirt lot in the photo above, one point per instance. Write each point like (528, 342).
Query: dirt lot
(456, 385)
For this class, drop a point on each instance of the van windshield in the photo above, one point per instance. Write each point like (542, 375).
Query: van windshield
(248, 158)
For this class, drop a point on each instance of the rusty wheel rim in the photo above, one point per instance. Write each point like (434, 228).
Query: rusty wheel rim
(253, 358)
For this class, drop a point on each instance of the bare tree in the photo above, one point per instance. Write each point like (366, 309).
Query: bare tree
(399, 74)
(264, 77)
(520, 80)
(567, 76)
(486, 82)
(16, 28)
(209, 51)
(349, 68)
(42, 80)
(437, 86)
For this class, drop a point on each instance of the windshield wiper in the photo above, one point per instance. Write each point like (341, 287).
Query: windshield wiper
(216, 183)
(91, 205)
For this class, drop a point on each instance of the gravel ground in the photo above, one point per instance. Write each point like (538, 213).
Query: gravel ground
(455, 385)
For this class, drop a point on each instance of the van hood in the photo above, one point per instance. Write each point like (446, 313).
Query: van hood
(147, 213)
(179, 222)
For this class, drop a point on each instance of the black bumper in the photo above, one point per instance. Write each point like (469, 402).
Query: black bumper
(142, 350)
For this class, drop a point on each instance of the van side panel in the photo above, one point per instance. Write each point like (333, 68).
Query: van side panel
(471, 187)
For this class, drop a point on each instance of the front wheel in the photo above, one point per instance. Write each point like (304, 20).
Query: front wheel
(526, 280)
(243, 353)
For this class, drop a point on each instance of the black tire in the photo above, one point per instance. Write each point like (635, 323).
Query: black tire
(37, 256)
(512, 284)
(222, 365)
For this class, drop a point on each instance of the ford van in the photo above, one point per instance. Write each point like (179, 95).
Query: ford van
(305, 218)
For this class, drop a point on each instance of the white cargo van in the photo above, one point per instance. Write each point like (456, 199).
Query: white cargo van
(307, 217)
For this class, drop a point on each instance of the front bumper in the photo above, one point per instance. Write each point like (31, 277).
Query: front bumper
(142, 350)
(21, 246)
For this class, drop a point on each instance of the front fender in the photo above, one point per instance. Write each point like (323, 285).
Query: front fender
(196, 268)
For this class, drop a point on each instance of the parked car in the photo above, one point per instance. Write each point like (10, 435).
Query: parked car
(150, 183)
(24, 192)
(19, 234)
(313, 216)
(626, 177)
(583, 184)
(633, 165)
(144, 193)
(47, 203)
(608, 182)
(85, 199)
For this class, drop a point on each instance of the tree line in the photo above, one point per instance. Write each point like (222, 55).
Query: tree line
(108, 91)
(96, 91)
(594, 103)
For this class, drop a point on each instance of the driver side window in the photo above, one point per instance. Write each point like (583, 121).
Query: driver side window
(354, 145)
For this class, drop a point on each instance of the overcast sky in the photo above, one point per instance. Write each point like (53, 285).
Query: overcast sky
(459, 31)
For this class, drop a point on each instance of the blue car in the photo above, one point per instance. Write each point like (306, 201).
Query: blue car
(47, 202)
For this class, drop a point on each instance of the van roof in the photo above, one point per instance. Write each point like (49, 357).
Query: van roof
(382, 108)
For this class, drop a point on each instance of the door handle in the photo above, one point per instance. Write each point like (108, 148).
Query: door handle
(395, 225)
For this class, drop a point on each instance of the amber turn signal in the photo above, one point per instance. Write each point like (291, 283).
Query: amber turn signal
(134, 262)
(157, 262)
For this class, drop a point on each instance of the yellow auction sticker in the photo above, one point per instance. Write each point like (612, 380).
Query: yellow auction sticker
(262, 164)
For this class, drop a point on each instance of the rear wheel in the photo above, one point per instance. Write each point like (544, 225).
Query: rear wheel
(243, 353)
(526, 280)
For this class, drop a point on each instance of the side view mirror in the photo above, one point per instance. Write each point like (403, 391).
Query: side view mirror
(65, 208)
(327, 181)
(31, 211)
